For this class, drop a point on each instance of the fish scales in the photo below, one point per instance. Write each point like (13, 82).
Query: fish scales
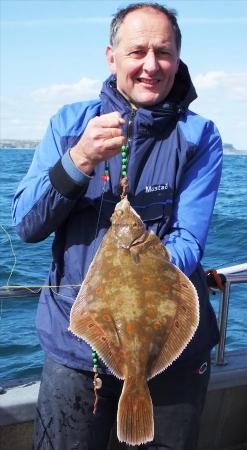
(138, 311)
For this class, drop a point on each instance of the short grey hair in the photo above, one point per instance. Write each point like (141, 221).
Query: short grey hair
(120, 15)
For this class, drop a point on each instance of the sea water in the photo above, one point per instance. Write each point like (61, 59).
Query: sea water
(27, 264)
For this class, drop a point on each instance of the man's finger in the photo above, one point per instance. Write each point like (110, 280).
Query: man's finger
(109, 133)
(114, 144)
(111, 120)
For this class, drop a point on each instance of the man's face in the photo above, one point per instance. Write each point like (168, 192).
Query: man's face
(145, 59)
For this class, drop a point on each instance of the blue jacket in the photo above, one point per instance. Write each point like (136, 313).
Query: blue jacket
(174, 171)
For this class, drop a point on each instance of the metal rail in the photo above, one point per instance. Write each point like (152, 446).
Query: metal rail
(223, 314)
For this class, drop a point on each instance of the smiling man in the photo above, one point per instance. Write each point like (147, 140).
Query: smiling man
(144, 56)
(141, 137)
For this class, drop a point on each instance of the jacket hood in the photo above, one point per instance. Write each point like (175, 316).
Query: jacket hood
(181, 95)
(183, 91)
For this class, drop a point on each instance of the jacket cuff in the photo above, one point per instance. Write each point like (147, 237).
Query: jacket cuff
(65, 179)
(77, 175)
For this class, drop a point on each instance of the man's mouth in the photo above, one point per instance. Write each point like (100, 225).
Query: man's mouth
(148, 81)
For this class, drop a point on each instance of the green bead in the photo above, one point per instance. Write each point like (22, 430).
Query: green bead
(94, 353)
(106, 171)
(95, 360)
(95, 366)
(124, 173)
(124, 154)
(124, 147)
(124, 160)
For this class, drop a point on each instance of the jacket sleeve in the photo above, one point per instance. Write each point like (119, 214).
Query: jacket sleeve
(195, 202)
(47, 194)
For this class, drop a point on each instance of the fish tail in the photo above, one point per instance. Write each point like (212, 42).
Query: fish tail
(135, 423)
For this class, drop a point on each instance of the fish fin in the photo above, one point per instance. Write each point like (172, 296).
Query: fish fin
(184, 325)
(86, 328)
(135, 424)
(97, 328)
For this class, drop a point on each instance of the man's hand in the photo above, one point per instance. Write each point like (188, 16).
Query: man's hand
(102, 139)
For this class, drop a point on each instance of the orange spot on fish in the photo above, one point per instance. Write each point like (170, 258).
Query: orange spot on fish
(113, 273)
(98, 290)
(143, 338)
(122, 354)
(151, 312)
(157, 325)
(130, 328)
(146, 280)
(106, 317)
(122, 301)
(164, 288)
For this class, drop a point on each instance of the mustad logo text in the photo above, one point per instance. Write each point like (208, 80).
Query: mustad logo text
(158, 187)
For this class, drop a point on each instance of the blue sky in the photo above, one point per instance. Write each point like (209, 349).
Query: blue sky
(53, 52)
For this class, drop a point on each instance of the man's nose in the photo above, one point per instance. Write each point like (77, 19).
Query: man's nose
(151, 64)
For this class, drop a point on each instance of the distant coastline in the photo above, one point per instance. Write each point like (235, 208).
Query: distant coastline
(26, 144)
(229, 149)
(19, 143)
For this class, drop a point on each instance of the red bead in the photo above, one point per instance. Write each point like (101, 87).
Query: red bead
(104, 177)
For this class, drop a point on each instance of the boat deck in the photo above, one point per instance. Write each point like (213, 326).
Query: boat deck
(223, 421)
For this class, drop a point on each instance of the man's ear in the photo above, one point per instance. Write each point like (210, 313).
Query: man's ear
(111, 59)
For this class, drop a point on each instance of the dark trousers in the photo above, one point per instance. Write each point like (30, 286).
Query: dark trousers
(65, 419)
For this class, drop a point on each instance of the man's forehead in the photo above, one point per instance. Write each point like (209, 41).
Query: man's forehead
(145, 20)
(140, 40)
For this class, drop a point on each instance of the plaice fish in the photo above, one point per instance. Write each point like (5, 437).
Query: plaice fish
(138, 311)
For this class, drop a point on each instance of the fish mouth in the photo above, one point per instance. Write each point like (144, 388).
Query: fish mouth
(136, 241)
(141, 238)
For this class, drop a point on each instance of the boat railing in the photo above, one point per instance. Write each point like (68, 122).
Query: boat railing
(230, 275)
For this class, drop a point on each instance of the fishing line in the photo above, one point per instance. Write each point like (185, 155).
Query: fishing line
(31, 288)
(37, 289)
(13, 267)
(13, 253)
(98, 220)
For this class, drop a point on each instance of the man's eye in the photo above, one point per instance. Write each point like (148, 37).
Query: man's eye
(137, 53)
(163, 52)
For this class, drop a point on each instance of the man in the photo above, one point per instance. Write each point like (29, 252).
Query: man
(173, 164)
